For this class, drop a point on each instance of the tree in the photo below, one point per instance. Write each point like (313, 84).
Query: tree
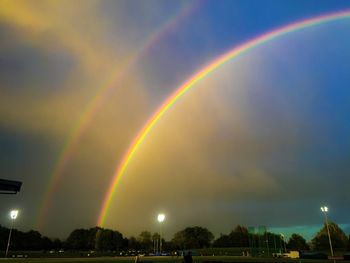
(46, 244)
(297, 242)
(222, 241)
(108, 240)
(78, 239)
(239, 237)
(4, 233)
(145, 239)
(31, 240)
(133, 243)
(104, 240)
(119, 241)
(57, 244)
(91, 238)
(193, 237)
(338, 237)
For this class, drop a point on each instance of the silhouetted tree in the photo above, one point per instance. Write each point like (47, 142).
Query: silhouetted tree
(339, 239)
(239, 237)
(95, 238)
(4, 232)
(91, 238)
(46, 244)
(297, 242)
(119, 242)
(57, 244)
(31, 240)
(78, 239)
(222, 241)
(145, 240)
(193, 237)
(133, 243)
(107, 240)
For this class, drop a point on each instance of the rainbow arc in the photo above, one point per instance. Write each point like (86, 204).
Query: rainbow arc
(190, 83)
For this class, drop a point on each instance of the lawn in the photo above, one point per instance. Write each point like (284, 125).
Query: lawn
(197, 259)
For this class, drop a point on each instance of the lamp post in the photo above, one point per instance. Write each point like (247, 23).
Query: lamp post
(161, 218)
(324, 209)
(13, 216)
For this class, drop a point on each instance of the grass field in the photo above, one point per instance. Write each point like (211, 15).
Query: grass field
(197, 259)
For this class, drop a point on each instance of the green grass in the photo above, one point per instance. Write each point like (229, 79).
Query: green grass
(196, 259)
(69, 260)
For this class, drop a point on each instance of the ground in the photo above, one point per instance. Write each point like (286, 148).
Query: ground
(199, 259)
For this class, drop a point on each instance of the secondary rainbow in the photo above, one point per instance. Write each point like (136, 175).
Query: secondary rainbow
(187, 85)
(118, 73)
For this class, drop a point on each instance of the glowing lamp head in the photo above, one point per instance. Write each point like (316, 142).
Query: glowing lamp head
(161, 218)
(324, 209)
(14, 214)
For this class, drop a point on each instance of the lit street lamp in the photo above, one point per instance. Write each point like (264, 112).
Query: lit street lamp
(324, 209)
(161, 218)
(13, 215)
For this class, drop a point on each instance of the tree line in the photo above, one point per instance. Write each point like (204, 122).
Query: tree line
(101, 239)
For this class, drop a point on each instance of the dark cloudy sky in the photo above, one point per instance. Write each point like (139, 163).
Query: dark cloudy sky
(263, 140)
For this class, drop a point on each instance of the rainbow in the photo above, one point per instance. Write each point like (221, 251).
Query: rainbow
(118, 73)
(187, 85)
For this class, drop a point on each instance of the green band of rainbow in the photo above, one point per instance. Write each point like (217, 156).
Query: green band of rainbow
(233, 53)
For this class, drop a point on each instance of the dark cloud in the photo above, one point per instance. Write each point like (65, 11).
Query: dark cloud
(263, 140)
(259, 141)
(27, 158)
(25, 66)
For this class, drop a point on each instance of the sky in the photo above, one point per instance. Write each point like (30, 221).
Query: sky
(264, 139)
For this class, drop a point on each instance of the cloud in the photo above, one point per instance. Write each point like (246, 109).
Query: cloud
(48, 24)
(252, 144)
(260, 138)
(56, 57)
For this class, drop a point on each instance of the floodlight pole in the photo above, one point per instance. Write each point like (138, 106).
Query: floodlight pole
(324, 209)
(13, 215)
(284, 242)
(160, 239)
(9, 239)
(161, 218)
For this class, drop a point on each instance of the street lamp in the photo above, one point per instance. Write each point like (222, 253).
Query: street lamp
(13, 216)
(160, 218)
(324, 209)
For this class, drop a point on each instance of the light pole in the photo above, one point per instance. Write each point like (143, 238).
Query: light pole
(324, 209)
(161, 218)
(13, 215)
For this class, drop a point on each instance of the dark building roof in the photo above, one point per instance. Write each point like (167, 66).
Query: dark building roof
(9, 186)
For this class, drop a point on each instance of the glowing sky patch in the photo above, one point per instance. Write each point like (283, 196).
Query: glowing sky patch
(94, 105)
